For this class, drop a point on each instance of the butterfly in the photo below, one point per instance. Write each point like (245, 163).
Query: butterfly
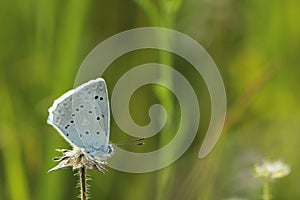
(82, 117)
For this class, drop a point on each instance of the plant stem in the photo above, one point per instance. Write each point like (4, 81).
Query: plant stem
(82, 174)
(266, 191)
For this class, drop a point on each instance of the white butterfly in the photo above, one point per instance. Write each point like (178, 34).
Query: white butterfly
(82, 117)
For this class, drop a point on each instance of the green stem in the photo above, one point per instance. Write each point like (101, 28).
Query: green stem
(82, 175)
(266, 191)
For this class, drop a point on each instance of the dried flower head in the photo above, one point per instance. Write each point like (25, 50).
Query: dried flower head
(271, 170)
(77, 159)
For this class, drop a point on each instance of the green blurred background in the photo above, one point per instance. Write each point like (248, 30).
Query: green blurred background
(255, 44)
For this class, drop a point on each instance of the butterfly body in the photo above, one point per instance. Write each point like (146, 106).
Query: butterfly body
(82, 117)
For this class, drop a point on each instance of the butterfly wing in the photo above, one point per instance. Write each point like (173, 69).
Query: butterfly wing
(92, 123)
(61, 117)
(88, 118)
(102, 111)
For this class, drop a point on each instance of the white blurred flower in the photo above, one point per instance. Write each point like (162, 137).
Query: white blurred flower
(271, 170)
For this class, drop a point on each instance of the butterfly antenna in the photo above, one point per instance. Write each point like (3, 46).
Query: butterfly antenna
(139, 141)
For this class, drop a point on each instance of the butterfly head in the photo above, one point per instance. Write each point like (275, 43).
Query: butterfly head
(111, 150)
